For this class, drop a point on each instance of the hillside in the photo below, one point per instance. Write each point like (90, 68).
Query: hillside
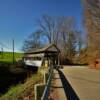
(8, 56)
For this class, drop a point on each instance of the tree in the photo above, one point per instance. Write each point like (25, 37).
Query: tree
(71, 45)
(81, 42)
(49, 27)
(33, 41)
(92, 24)
(59, 30)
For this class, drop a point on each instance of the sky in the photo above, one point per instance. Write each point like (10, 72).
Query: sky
(18, 17)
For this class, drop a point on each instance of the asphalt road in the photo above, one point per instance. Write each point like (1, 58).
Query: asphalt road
(75, 83)
(83, 81)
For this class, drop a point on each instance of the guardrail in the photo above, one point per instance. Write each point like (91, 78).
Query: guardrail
(47, 86)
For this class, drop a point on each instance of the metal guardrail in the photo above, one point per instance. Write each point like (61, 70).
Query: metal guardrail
(47, 87)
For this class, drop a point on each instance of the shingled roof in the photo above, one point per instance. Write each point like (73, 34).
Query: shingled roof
(44, 49)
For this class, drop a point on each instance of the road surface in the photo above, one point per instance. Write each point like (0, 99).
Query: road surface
(76, 82)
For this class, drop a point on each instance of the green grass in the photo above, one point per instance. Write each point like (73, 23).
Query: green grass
(22, 90)
(8, 57)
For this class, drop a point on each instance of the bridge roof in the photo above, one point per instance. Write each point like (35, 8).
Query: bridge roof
(49, 48)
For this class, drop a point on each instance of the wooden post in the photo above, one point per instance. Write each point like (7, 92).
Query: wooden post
(58, 60)
(13, 49)
(47, 60)
(2, 52)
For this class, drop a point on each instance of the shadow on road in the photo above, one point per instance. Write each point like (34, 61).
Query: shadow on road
(70, 93)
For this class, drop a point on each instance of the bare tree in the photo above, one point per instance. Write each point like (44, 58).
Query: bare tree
(58, 30)
(33, 41)
(68, 36)
(50, 27)
(47, 26)
(92, 23)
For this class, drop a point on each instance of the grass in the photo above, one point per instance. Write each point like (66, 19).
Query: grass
(11, 76)
(22, 90)
(8, 74)
(7, 57)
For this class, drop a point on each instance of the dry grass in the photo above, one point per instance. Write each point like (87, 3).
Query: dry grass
(23, 90)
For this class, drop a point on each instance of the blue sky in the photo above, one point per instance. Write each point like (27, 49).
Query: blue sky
(18, 17)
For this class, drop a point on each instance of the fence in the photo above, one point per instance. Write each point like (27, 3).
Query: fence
(42, 90)
(47, 86)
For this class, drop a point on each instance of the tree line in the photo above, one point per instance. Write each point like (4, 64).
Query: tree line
(59, 30)
(91, 9)
(62, 31)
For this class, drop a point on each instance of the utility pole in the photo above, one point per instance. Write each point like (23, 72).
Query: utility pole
(2, 51)
(13, 50)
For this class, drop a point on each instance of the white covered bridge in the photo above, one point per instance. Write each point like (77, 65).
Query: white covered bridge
(46, 56)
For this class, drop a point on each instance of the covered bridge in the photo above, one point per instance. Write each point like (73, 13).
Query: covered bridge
(46, 56)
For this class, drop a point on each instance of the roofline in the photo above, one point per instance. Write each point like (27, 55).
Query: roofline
(55, 46)
(43, 51)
